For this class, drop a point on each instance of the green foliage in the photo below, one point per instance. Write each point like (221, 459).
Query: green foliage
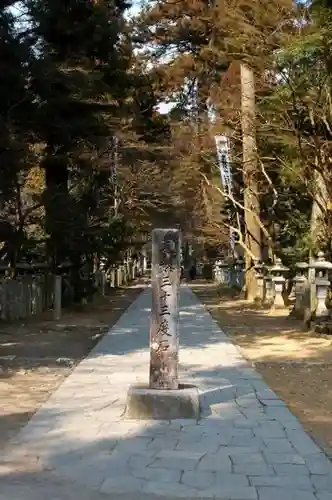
(69, 84)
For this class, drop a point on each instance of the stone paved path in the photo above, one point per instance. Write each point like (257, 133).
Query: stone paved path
(248, 446)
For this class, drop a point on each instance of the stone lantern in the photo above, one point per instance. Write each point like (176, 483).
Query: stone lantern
(300, 282)
(323, 269)
(279, 272)
(259, 274)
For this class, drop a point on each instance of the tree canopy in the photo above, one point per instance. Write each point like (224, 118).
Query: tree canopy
(88, 161)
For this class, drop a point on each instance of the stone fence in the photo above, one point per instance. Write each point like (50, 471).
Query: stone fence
(25, 296)
(30, 293)
(307, 293)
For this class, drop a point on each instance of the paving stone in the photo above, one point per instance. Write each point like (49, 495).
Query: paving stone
(278, 445)
(261, 469)
(248, 401)
(178, 454)
(157, 475)
(87, 473)
(174, 463)
(279, 413)
(266, 394)
(248, 458)
(256, 414)
(245, 423)
(302, 442)
(139, 461)
(200, 480)
(295, 482)
(204, 445)
(250, 442)
(237, 450)
(162, 443)
(122, 484)
(226, 410)
(270, 431)
(134, 445)
(159, 428)
(174, 490)
(243, 433)
(223, 395)
(234, 492)
(215, 426)
(292, 425)
(290, 469)
(227, 479)
(184, 440)
(324, 495)
(284, 458)
(46, 486)
(322, 482)
(268, 493)
(215, 463)
(318, 464)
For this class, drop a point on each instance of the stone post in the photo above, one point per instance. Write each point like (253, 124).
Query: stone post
(240, 272)
(145, 261)
(259, 273)
(300, 282)
(217, 272)
(119, 277)
(269, 288)
(165, 282)
(322, 268)
(113, 278)
(278, 272)
(224, 275)
(233, 273)
(57, 298)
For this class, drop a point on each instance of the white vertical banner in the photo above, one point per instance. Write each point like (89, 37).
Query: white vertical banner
(223, 161)
(222, 146)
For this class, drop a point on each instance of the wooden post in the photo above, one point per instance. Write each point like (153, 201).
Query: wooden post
(164, 337)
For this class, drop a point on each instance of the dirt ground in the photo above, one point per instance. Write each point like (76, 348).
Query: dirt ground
(295, 363)
(35, 356)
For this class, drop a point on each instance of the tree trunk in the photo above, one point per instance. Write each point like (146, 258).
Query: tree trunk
(251, 195)
(319, 203)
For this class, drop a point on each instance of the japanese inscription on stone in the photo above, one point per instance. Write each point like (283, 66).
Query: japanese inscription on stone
(164, 337)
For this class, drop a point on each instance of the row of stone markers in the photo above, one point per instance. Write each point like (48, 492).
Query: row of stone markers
(120, 274)
(35, 289)
(227, 273)
(309, 288)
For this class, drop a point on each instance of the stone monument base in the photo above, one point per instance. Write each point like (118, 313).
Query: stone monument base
(162, 404)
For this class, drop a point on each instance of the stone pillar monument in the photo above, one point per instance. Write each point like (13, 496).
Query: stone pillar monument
(164, 335)
(164, 398)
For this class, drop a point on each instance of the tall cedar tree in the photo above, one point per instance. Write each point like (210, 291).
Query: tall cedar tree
(15, 130)
(80, 80)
